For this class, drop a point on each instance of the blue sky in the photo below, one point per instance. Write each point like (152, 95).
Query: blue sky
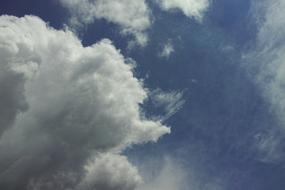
(227, 72)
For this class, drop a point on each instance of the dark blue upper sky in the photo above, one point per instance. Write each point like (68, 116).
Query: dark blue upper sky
(215, 131)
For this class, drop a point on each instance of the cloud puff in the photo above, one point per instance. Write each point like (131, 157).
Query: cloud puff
(132, 16)
(167, 50)
(65, 103)
(112, 172)
(190, 8)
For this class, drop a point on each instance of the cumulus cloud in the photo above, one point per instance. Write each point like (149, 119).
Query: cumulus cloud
(66, 103)
(112, 172)
(266, 61)
(190, 8)
(132, 16)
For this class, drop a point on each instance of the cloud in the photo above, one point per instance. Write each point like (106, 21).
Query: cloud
(66, 104)
(168, 102)
(112, 172)
(167, 50)
(133, 17)
(190, 8)
(266, 62)
(106, 171)
(267, 57)
(173, 172)
(168, 174)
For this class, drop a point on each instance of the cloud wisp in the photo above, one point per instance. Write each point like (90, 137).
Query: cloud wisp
(167, 50)
(168, 102)
(168, 174)
(266, 61)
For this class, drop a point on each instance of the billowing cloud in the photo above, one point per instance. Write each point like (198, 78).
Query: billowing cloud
(132, 16)
(66, 104)
(190, 8)
(112, 172)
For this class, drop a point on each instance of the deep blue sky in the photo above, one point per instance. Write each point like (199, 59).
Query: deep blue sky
(214, 131)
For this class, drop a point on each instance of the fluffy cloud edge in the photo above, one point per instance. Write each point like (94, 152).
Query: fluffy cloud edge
(72, 93)
(133, 17)
(190, 8)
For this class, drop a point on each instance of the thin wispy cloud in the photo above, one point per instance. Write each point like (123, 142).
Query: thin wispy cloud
(266, 59)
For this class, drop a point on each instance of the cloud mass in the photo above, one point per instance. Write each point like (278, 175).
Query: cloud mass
(69, 108)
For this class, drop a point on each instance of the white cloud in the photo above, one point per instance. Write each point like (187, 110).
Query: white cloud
(168, 174)
(170, 102)
(132, 16)
(190, 8)
(171, 172)
(268, 146)
(267, 61)
(112, 172)
(67, 102)
(167, 50)
(268, 57)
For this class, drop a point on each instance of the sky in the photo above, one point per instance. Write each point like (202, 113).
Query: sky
(142, 95)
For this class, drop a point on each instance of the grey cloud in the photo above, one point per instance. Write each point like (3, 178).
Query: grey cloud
(171, 175)
(12, 100)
